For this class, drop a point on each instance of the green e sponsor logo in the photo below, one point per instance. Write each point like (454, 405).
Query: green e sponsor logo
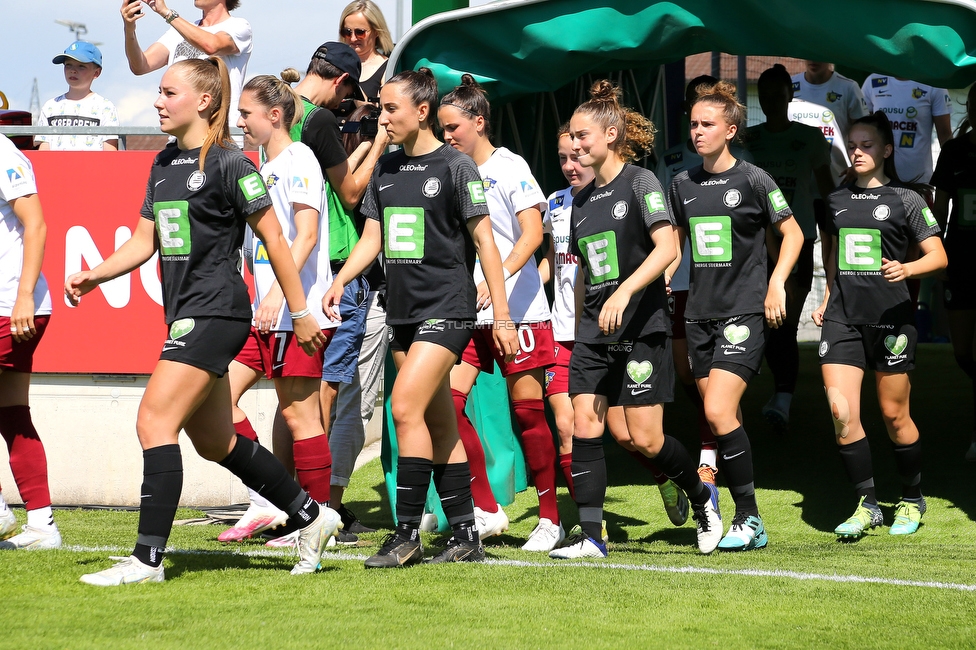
(929, 218)
(173, 227)
(601, 256)
(778, 201)
(711, 239)
(404, 233)
(655, 202)
(967, 208)
(860, 249)
(252, 186)
(476, 189)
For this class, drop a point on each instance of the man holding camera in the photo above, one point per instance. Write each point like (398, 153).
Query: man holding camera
(217, 33)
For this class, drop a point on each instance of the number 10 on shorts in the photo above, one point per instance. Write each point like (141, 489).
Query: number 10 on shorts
(860, 249)
(711, 239)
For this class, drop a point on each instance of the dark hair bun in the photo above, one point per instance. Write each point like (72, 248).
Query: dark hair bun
(427, 72)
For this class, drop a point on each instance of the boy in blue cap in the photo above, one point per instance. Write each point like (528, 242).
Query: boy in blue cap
(79, 106)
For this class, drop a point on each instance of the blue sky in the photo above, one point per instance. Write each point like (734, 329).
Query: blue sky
(31, 38)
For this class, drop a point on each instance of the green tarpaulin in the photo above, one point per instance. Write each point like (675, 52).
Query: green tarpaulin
(516, 48)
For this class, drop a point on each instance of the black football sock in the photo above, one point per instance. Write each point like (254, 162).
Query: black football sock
(736, 454)
(857, 461)
(413, 481)
(674, 461)
(453, 484)
(590, 483)
(908, 460)
(162, 483)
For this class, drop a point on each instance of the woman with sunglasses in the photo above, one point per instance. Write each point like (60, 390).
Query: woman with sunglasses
(363, 28)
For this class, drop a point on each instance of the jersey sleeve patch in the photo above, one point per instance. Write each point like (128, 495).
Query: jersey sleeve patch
(655, 202)
(929, 218)
(252, 186)
(476, 190)
(778, 201)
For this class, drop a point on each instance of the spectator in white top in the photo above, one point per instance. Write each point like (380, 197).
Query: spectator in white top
(217, 33)
(913, 109)
(80, 106)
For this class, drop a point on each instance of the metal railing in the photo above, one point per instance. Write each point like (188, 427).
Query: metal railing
(121, 131)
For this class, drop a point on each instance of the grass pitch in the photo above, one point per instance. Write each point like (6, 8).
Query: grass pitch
(655, 590)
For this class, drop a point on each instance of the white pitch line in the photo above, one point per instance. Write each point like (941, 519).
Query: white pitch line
(756, 573)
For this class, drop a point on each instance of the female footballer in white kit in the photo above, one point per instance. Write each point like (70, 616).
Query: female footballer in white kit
(516, 204)
(268, 109)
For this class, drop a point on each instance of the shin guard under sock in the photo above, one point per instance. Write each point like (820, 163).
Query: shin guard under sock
(540, 452)
(453, 485)
(313, 466)
(674, 460)
(736, 454)
(28, 462)
(908, 460)
(162, 483)
(484, 498)
(413, 480)
(857, 461)
(259, 470)
(590, 481)
(566, 464)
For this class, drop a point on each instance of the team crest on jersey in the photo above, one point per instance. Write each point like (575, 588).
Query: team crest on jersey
(488, 183)
(833, 96)
(911, 112)
(619, 210)
(196, 180)
(432, 187)
(918, 93)
(824, 346)
(879, 82)
(881, 213)
(826, 117)
(732, 198)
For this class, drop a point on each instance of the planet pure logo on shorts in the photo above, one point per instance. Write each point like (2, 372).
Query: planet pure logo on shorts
(173, 228)
(711, 240)
(639, 373)
(181, 328)
(860, 250)
(601, 256)
(778, 201)
(735, 335)
(252, 186)
(432, 325)
(896, 345)
(403, 235)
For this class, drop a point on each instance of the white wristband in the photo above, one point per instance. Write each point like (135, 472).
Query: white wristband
(506, 274)
(295, 315)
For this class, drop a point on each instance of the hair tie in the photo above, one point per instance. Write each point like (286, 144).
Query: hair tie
(462, 108)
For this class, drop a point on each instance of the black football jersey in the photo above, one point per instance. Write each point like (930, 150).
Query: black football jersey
(200, 219)
(870, 224)
(609, 231)
(423, 204)
(725, 217)
(955, 174)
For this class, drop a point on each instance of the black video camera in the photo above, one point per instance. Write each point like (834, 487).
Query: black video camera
(367, 125)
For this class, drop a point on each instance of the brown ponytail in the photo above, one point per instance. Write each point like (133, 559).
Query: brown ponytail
(635, 133)
(472, 99)
(210, 76)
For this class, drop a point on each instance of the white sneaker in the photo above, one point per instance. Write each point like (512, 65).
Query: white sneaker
(490, 523)
(129, 571)
(8, 523)
(708, 521)
(971, 452)
(428, 523)
(580, 546)
(254, 522)
(313, 538)
(34, 539)
(545, 537)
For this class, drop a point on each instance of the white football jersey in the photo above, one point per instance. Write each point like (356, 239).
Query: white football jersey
(565, 266)
(910, 106)
(824, 119)
(294, 177)
(509, 189)
(16, 181)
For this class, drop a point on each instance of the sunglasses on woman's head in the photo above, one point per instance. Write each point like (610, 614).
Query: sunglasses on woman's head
(360, 33)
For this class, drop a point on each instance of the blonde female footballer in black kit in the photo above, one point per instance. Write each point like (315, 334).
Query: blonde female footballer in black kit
(200, 193)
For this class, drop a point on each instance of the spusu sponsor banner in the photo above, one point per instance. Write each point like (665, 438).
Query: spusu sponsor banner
(91, 204)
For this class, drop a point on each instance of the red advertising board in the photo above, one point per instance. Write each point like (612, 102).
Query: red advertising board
(91, 204)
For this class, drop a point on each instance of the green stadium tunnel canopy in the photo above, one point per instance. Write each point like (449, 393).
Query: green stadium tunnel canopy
(520, 47)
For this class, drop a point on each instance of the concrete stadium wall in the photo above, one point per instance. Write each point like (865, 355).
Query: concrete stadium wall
(87, 423)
